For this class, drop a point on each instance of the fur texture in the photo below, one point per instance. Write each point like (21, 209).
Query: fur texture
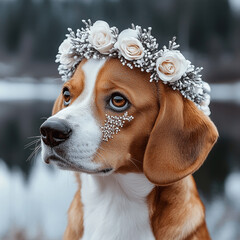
(117, 200)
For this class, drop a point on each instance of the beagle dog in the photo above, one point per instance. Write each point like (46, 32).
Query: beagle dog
(138, 185)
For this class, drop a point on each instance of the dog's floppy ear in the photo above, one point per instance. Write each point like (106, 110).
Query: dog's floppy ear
(180, 139)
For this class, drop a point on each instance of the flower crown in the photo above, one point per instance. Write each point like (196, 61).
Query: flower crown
(134, 47)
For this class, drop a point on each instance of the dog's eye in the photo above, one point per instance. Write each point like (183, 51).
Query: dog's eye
(66, 96)
(118, 102)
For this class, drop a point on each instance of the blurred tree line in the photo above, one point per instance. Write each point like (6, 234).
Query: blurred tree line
(31, 31)
(37, 27)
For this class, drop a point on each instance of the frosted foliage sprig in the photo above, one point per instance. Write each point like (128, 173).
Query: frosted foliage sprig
(148, 62)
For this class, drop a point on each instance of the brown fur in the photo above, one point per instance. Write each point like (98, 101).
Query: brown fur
(75, 86)
(74, 229)
(168, 140)
(176, 211)
(133, 137)
(180, 140)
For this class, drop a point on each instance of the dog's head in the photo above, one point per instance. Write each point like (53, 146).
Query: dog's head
(168, 138)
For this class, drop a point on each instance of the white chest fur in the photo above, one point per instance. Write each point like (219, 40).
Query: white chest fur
(115, 207)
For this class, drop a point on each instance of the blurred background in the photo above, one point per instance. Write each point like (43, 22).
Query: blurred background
(34, 198)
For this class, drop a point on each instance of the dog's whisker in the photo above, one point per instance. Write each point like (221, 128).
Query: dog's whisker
(101, 157)
(34, 153)
(136, 160)
(31, 143)
(35, 136)
(44, 118)
(32, 149)
(101, 148)
(132, 161)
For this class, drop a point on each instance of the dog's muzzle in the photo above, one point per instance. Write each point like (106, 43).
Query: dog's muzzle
(55, 131)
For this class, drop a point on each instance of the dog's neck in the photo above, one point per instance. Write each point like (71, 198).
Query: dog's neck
(128, 206)
(134, 186)
(115, 207)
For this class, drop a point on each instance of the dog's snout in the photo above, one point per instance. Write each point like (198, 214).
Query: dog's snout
(55, 131)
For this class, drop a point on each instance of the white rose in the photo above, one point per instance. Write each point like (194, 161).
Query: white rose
(206, 100)
(101, 37)
(128, 44)
(66, 58)
(171, 66)
(206, 87)
(206, 110)
(65, 46)
(204, 104)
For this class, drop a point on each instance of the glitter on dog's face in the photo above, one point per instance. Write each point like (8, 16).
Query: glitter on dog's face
(113, 125)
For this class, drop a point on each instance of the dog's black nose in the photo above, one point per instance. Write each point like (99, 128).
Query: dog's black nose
(55, 131)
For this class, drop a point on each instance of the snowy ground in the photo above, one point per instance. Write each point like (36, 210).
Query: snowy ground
(38, 209)
(223, 212)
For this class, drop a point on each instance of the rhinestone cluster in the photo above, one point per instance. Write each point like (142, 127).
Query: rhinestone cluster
(113, 125)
